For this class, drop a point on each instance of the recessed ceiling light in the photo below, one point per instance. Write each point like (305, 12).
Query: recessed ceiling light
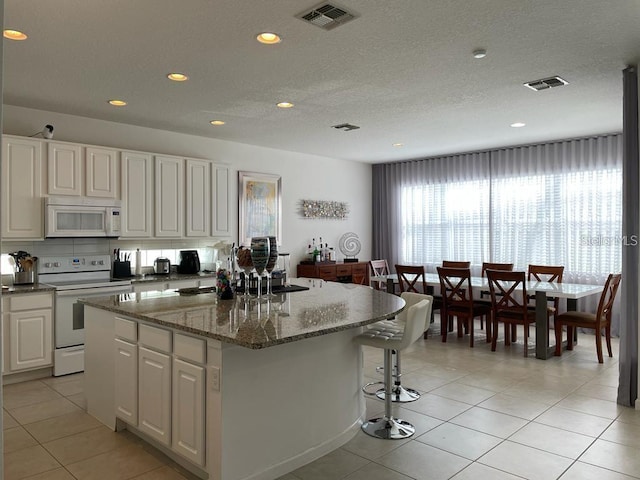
(217, 122)
(284, 105)
(269, 38)
(177, 77)
(480, 53)
(117, 103)
(398, 145)
(518, 125)
(14, 35)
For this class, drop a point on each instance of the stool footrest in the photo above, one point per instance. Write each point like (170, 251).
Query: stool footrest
(388, 428)
(399, 394)
(371, 384)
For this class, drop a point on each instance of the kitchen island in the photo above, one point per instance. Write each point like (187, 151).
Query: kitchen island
(233, 389)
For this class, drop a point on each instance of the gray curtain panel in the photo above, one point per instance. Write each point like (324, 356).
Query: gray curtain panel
(628, 384)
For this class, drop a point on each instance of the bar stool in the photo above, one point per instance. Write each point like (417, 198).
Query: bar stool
(399, 394)
(392, 338)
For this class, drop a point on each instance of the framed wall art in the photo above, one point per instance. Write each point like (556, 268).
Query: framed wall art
(260, 206)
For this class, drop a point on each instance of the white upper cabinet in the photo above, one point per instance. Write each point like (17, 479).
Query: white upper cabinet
(220, 203)
(22, 215)
(137, 194)
(101, 172)
(169, 196)
(64, 161)
(198, 198)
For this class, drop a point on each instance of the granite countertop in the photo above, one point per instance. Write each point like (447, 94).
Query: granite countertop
(34, 288)
(325, 308)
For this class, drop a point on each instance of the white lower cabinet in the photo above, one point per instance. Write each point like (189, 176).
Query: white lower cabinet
(28, 332)
(154, 394)
(160, 378)
(126, 385)
(30, 339)
(188, 410)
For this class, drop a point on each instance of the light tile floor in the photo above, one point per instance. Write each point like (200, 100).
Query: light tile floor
(49, 436)
(489, 415)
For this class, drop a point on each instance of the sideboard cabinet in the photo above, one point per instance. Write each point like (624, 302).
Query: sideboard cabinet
(357, 272)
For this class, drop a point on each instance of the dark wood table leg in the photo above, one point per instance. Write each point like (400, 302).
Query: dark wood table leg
(572, 306)
(542, 327)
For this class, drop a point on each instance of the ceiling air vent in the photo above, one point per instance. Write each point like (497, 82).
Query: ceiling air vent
(326, 16)
(545, 83)
(347, 127)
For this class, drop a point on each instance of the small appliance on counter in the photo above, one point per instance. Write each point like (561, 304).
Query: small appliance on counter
(162, 266)
(189, 261)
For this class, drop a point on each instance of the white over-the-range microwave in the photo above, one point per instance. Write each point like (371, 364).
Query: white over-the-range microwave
(81, 217)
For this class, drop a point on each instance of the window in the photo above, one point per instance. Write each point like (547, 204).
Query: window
(445, 221)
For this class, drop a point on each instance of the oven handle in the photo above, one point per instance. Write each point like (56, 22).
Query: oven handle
(95, 292)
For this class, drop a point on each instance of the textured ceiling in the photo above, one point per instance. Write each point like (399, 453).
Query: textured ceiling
(403, 70)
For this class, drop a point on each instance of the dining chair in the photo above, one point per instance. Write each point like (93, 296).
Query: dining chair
(455, 264)
(601, 319)
(452, 264)
(411, 278)
(485, 295)
(509, 305)
(546, 273)
(379, 267)
(457, 301)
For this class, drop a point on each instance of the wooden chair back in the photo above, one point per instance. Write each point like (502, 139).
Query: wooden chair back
(605, 304)
(455, 288)
(508, 267)
(410, 277)
(546, 273)
(508, 293)
(455, 264)
(378, 267)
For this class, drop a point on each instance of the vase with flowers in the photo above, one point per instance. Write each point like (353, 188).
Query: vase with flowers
(223, 284)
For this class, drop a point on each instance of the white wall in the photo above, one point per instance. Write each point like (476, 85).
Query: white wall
(303, 176)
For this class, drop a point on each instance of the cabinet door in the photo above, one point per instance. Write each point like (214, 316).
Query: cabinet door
(154, 394)
(220, 204)
(137, 194)
(198, 198)
(22, 215)
(188, 411)
(101, 170)
(169, 196)
(31, 339)
(64, 163)
(126, 381)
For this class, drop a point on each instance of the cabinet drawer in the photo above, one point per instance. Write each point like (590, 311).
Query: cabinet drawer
(327, 273)
(155, 338)
(190, 348)
(359, 269)
(30, 302)
(342, 270)
(126, 329)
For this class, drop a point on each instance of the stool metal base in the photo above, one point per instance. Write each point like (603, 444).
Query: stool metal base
(388, 428)
(399, 394)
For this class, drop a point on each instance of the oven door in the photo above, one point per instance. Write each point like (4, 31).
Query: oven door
(69, 318)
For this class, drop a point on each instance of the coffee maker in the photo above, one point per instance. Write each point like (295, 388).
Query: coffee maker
(189, 261)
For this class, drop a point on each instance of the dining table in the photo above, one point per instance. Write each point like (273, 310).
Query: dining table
(544, 291)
